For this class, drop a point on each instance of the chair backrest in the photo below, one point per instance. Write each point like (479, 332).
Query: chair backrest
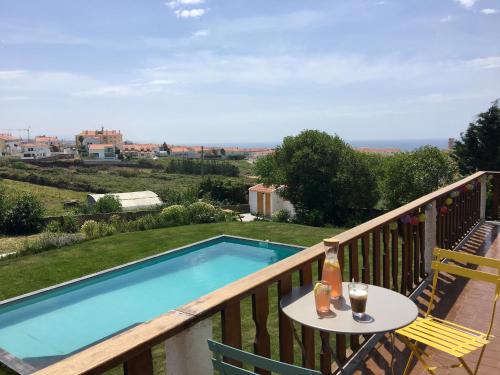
(228, 352)
(440, 264)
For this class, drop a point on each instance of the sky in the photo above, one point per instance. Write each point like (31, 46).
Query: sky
(208, 71)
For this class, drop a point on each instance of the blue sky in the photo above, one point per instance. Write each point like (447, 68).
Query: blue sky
(194, 71)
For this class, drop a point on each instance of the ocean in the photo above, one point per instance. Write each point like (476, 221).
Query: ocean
(402, 144)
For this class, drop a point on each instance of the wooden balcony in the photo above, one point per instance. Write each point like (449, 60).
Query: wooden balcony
(392, 251)
(466, 303)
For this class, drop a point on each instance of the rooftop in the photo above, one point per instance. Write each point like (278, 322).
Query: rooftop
(100, 146)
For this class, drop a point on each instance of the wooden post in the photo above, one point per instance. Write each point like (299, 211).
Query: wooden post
(141, 364)
(325, 359)
(307, 332)
(260, 312)
(430, 234)
(285, 326)
(484, 195)
(231, 327)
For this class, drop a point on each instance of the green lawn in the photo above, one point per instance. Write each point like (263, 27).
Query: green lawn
(52, 198)
(25, 274)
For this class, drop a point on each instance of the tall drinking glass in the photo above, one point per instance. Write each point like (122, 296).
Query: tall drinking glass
(358, 295)
(322, 298)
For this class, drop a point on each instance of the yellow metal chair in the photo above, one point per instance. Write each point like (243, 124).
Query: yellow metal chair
(443, 335)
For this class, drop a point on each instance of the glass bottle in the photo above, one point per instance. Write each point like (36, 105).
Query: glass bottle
(331, 268)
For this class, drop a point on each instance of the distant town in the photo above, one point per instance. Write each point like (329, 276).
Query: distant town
(109, 145)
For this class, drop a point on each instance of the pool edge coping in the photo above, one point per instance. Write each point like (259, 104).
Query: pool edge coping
(8, 301)
(18, 365)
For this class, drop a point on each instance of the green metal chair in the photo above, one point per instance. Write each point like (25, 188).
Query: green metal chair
(220, 350)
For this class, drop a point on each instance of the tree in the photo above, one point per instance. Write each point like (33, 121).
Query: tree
(479, 147)
(410, 175)
(3, 207)
(107, 204)
(24, 216)
(322, 176)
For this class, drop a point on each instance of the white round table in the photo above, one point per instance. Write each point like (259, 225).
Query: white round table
(386, 311)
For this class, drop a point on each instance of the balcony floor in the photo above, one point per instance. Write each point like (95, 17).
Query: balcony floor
(466, 303)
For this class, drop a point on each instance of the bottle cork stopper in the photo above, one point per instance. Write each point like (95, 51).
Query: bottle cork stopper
(331, 241)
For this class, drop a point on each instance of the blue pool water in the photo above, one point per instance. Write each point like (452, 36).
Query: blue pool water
(45, 327)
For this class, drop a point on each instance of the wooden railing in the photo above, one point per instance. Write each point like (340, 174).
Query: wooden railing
(389, 251)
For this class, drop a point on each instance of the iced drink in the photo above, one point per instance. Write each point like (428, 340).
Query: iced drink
(358, 295)
(331, 272)
(322, 298)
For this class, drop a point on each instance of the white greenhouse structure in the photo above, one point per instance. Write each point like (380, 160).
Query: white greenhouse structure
(133, 201)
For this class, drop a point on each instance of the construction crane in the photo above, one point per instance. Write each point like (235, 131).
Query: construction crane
(27, 130)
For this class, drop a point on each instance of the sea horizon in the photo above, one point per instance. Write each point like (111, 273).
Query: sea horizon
(402, 144)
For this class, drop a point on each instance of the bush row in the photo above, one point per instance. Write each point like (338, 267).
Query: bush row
(68, 232)
(190, 166)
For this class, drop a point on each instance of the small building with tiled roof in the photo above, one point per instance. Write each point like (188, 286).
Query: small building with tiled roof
(105, 151)
(266, 200)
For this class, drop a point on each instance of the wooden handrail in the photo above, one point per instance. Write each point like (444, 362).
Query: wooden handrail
(368, 226)
(127, 345)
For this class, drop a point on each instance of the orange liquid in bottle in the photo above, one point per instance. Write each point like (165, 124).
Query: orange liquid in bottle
(331, 274)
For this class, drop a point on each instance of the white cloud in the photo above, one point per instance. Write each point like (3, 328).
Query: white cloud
(160, 82)
(178, 3)
(133, 89)
(10, 74)
(466, 3)
(448, 18)
(200, 33)
(190, 13)
(489, 11)
(13, 98)
(380, 3)
(485, 62)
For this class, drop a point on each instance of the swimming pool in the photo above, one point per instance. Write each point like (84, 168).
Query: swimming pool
(44, 327)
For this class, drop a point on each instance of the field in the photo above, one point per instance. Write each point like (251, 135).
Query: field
(92, 256)
(111, 178)
(51, 197)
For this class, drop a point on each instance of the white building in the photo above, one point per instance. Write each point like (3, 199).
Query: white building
(35, 151)
(265, 200)
(133, 201)
(10, 145)
(102, 151)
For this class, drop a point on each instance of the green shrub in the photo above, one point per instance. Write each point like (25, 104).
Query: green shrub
(69, 224)
(173, 215)
(224, 191)
(117, 222)
(146, 222)
(91, 229)
(25, 215)
(3, 208)
(175, 196)
(106, 229)
(47, 241)
(202, 212)
(108, 204)
(281, 216)
(53, 227)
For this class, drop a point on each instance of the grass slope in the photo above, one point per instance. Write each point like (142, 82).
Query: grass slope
(22, 275)
(51, 197)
